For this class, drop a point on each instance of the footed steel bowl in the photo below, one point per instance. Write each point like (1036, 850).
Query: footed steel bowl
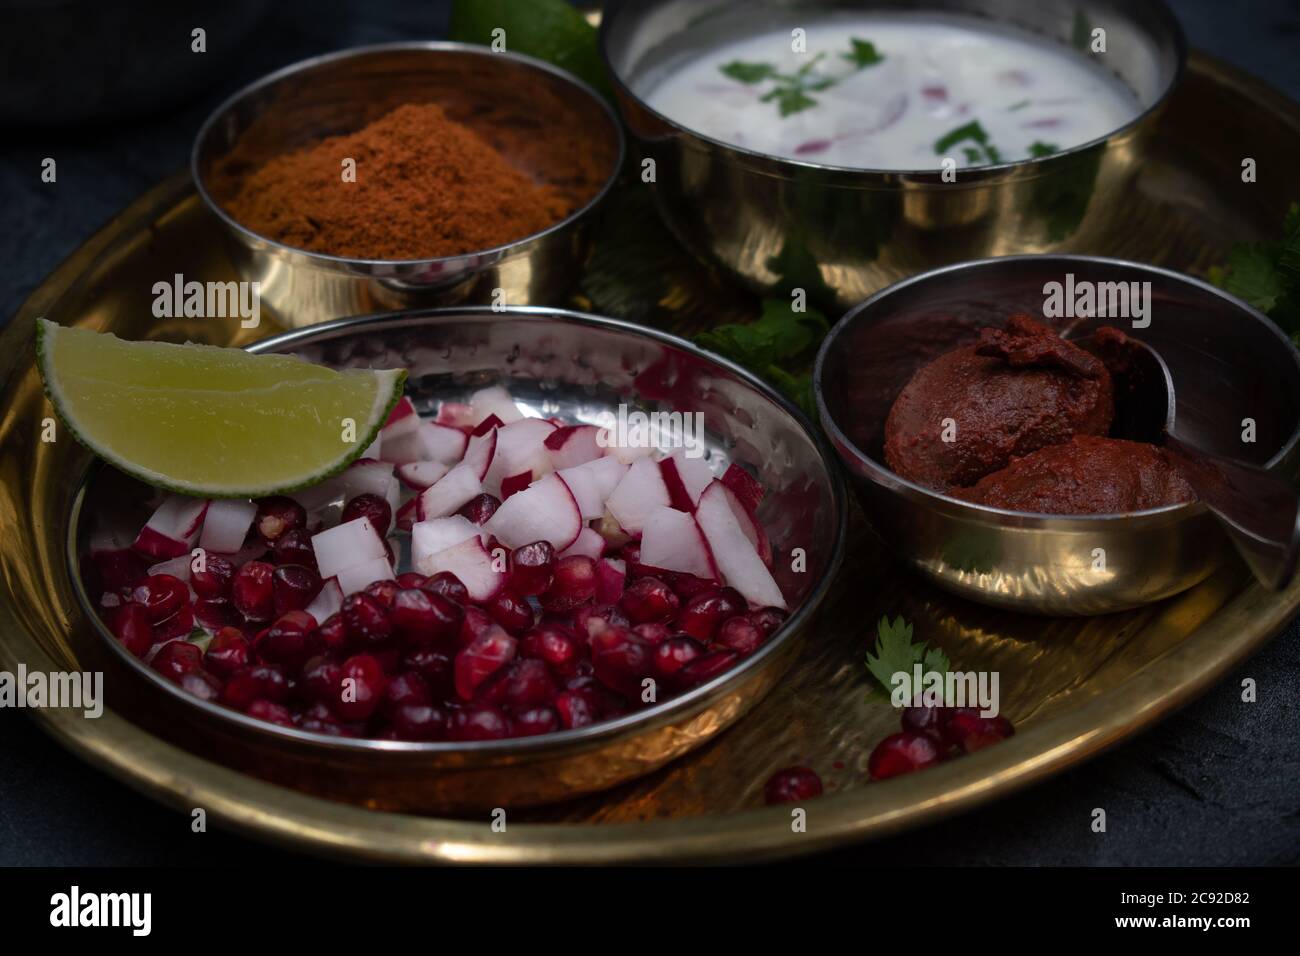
(842, 233)
(1228, 362)
(557, 363)
(340, 93)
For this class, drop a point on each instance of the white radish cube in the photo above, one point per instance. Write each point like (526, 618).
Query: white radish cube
(592, 483)
(441, 442)
(483, 575)
(521, 447)
(739, 563)
(640, 492)
(686, 478)
(670, 540)
(439, 534)
(589, 543)
(353, 579)
(327, 602)
(479, 452)
(173, 528)
(419, 475)
(544, 511)
(449, 493)
(573, 445)
(494, 401)
(226, 525)
(351, 543)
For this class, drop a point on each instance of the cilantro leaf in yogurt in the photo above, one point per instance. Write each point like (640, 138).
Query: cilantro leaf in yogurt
(982, 152)
(863, 54)
(748, 72)
(1038, 149)
(790, 94)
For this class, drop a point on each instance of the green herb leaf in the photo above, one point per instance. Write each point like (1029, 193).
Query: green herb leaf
(550, 30)
(748, 72)
(791, 101)
(1267, 275)
(895, 651)
(863, 53)
(1039, 149)
(972, 130)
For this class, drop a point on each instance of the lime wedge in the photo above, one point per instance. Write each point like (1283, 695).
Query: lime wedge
(208, 421)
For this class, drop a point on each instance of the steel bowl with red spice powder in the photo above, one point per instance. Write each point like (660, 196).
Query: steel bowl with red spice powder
(425, 187)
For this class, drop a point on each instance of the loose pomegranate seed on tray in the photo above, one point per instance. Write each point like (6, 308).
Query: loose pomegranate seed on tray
(526, 608)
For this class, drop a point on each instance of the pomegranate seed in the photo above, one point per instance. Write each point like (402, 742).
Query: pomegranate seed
(519, 685)
(686, 586)
(214, 613)
(322, 725)
(479, 509)
(653, 633)
(286, 641)
(674, 654)
(131, 626)
(590, 620)
(372, 507)
(621, 660)
(449, 586)
(385, 592)
(332, 634)
(555, 646)
(227, 652)
(176, 659)
(476, 624)
(252, 591)
(270, 712)
(294, 587)
(408, 688)
(421, 617)
(924, 719)
(574, 583)
(704, 669)
(434, 666)
(537, 720)
(480, 658)
(513, 613)
(276, 516)
(120, 569)
(411, 579)
(740, 634)
(421, 722)
(214, 580)
(768, 619)
(792, 785)
(532, 567)
(201, 684)
(367, 621)
(179, 625)
(362, 687)
(480, 722)
(965, 729)
(294, 547)
(903, 753)
(648, 600)
(705, 612)
(606, 703)
(245, 686)
(321, 680)
(161, 596)
(575, 709)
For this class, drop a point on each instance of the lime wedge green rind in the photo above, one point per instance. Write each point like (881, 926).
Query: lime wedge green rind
(208, 421)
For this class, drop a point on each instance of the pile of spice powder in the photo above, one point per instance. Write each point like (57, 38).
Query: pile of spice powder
(426, 186)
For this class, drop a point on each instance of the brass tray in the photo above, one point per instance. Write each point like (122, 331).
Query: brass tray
(1073, 687)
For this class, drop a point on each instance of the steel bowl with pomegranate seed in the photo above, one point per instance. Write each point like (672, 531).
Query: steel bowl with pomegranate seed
(514, 596)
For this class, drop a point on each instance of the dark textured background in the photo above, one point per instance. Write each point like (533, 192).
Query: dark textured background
(1217, 784)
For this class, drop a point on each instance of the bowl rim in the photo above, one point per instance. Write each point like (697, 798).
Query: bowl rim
(406, 46)
(660, 714)
(786, 167)
(881, 473)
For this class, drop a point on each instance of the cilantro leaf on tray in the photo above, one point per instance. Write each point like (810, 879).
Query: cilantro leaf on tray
(895, 651)
(1267, 275)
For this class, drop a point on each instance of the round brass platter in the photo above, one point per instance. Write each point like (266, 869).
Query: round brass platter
(1073, 687)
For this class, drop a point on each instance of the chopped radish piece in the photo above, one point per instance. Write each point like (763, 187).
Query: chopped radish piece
(588, 542)
(592, 483)
(226, 525)
(327, 602)
(350, 543)
(573, 445)
(545, 511)
(442, 442)
(448, 493)
(420, 475)
(455, 415)
(430, 537)
(176, 567)
(105, 538)
(740, 564)
(610, 575)
(494, 401)
(749, 524)
(744, 486)
(489, 424)
(479, 452)
(403, 448)
(358, 576)
(172, 530)
(640, 492)
(520, 448)
(685, 477)
(375, 449)
(365, 476)
(406, 516)
(627, 454)
(403, 418)
(671, 540)
(515, 484)
(470, 561)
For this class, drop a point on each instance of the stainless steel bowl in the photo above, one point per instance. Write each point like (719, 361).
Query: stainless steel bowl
(342, 92)
(561, 364)
(843, 233)
(1228, 362)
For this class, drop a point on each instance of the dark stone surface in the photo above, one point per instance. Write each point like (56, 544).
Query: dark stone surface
(1217, 784)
